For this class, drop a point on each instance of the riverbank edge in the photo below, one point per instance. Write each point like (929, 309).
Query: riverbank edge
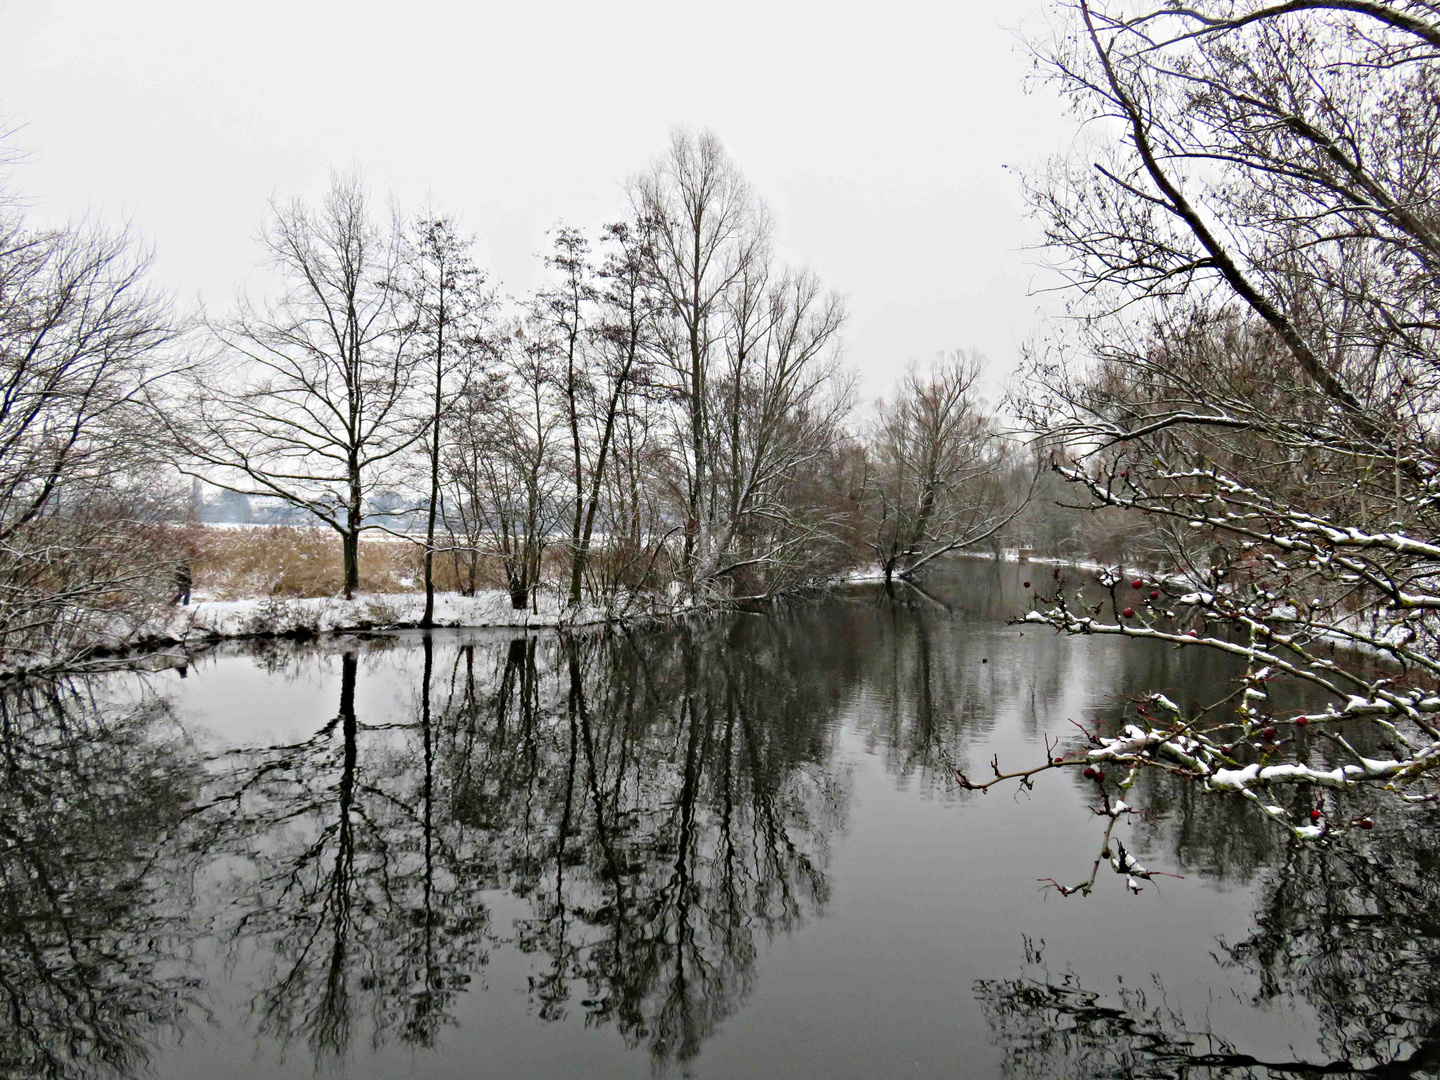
(199, 626)
(205, 623)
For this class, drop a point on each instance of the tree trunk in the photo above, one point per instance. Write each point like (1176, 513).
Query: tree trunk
(582, 550)
(576, 556)
(428, 618)
(350, 547)
(351, 536)
(517, 578)
(697, 412)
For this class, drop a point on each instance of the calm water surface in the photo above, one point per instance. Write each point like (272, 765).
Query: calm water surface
(725, 849)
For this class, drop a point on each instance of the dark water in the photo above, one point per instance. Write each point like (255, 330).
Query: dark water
(725, 849)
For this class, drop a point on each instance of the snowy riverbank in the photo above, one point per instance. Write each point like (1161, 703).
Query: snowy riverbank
(177, 630)
(208, 619)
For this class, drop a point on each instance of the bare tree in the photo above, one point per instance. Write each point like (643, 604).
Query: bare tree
(941, 477)
(466, 443)
(778, 405)
(639, 514)
(308, 395)
(85, 344)
(564, 308)
(449, 308)
(747, 353)
(502, 460)
(622, 343)
(707, 228)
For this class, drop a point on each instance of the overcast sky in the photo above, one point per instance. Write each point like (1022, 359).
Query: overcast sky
(885, 140)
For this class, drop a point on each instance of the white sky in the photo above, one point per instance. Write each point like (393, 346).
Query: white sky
(877, 135)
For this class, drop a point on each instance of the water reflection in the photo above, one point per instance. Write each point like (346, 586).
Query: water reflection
(1354, 930)
(328, 857)
(659, 810)
(332, 866)
(92, 935)
(1343, 931)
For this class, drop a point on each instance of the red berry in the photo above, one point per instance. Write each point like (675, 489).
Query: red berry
(1099, 776)
(1089, 772)
(1300, 721)
(1137, 584)
(1192, 633)
(1268, 734)
(1027, 584)
(1129, 613)
(1154, 594)
(1314, 815)
(1059, 761)
(1365, 823)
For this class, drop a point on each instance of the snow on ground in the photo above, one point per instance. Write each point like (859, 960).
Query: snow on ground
(278, 615)
(204, 621)
(864, 575)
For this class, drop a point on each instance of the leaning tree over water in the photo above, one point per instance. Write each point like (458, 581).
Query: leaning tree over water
(1248, 233)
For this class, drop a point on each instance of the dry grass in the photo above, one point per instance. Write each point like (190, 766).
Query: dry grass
(281, 560)
(297, 561)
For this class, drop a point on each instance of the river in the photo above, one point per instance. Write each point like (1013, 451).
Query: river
(731, 847)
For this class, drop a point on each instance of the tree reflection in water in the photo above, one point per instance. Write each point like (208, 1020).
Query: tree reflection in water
(350, 891)
(1350, 932)
(634, 815)
(659, 802)
(659, 808)
(91, 930)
